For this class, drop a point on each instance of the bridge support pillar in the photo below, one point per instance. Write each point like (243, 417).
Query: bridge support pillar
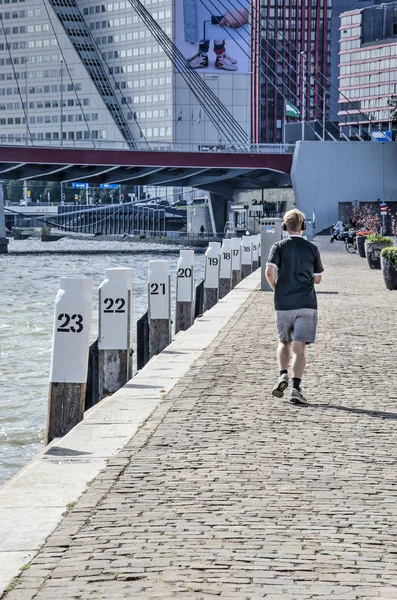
(218, 212)
(3, 239)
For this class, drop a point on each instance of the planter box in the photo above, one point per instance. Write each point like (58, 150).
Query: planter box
(389, 271)
(372, 251)
(360, 241)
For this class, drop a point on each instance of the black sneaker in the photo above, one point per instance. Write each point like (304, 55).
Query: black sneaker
(297, 397)
(280, 386)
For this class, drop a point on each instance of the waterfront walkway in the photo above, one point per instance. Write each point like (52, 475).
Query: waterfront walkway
(226, 492)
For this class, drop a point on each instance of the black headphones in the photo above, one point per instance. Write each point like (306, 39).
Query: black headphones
(303, 226)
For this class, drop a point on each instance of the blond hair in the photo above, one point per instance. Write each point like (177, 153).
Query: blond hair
(294, 219)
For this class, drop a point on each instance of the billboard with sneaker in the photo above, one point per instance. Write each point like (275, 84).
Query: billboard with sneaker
(214, 35)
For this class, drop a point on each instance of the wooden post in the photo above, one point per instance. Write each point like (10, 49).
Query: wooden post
(236, 261)
(115, 328)
(225, 271)
(211, 280)
(255, 250)
(159, 312)
(185, 291)
(69, 359)
(246, 256)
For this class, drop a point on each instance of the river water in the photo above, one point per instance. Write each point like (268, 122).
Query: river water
(29, 280)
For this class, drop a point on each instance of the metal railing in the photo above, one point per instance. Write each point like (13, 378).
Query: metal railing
(153, 146)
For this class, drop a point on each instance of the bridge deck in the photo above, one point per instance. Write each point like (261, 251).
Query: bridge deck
(227, 492)
(215, 171)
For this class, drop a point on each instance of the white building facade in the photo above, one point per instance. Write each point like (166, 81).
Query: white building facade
(91, 73)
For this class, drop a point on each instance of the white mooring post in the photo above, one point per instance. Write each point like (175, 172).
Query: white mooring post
(211, 280)
(255, 252)
(236, 261)
(246, 256)
(225, 271)
(115, 331)
(159, 311)
(69, 359)
(185, 291)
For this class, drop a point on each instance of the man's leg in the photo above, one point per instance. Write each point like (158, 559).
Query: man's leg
(283, 355)
(298, 368)
(283, 358)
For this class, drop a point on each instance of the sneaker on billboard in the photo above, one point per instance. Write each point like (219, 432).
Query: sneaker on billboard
(226, 63)
(232, 60)
(199, 60)
(280, 386)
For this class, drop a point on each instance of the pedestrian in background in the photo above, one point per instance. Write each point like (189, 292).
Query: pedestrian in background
(293, 267)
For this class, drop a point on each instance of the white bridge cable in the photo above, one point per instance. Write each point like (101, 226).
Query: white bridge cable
(69, 74)
(23, 103)
(278, 83)
(114, 109)
(296, 53)
(247, 53)
(210, 103)
(110, 72)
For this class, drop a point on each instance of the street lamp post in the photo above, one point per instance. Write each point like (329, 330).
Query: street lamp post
(61, 103)
(26, 102)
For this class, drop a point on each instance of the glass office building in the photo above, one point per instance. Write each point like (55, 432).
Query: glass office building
(368, 64)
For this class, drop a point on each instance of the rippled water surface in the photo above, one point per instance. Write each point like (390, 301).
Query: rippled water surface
(28, 285)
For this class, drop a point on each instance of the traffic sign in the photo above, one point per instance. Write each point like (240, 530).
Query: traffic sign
(382, 136)
(109, 185)
(80, 184)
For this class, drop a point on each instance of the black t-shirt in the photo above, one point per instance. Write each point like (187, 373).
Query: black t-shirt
(297, 261)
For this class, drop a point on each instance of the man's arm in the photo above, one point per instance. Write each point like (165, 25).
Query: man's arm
(271, 275)
(318, 268)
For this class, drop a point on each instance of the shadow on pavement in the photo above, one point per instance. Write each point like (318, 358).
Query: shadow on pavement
(358, 411)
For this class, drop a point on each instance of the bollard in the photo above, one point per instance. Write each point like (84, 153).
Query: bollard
(271, 232)
(236, 261)
(225, 271)
(159, 312)
(246, 256)
(211, 280)
(255, 252)
(185, 291)
(69, 358)
(115, 330)
(258, 235)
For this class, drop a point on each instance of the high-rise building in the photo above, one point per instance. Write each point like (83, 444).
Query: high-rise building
(92, 72)
(295, 56)
(368, 65)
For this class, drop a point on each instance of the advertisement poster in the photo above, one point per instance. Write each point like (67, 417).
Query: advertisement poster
(214, 35)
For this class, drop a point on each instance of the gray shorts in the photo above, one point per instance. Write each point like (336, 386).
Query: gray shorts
(297, 325)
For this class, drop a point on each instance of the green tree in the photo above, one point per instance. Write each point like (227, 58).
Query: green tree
(392, 102)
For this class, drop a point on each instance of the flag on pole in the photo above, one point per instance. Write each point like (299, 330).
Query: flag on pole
(291, 110)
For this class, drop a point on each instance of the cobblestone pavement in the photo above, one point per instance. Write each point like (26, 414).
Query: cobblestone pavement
(227, 492)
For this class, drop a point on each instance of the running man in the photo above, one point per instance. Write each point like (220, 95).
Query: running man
(293, 267)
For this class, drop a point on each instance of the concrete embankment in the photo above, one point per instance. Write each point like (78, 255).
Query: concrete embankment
(34, 501)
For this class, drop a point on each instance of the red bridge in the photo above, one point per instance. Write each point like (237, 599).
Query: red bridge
(218, 172)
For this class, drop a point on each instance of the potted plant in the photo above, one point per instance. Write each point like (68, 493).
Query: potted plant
(361, 235)
(374, 244)
(388, 258)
